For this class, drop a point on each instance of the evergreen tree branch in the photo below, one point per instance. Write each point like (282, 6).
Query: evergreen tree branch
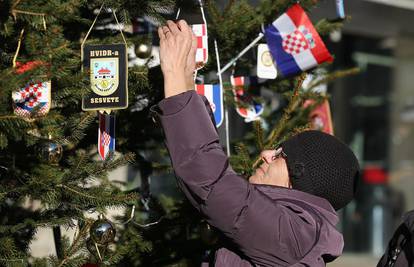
(259, 135)
(293, 103)
(76, 243)
(328, 78)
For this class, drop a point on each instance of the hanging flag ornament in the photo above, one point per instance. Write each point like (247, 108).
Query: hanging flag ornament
(199, 26)
(214, 95)
(340, 10)
(294, 43)
(200, 31)
(265, 64)
(246, 105)
(108, 71)
(106, 134)
(320, 118)
(32, 100)
(108, 75)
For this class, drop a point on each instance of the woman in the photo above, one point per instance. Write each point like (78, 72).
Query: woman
(285, 215)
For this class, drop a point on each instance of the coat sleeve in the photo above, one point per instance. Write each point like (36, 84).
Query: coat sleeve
(265, 231)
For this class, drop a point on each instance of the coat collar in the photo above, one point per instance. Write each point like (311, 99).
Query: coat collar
(281, 193)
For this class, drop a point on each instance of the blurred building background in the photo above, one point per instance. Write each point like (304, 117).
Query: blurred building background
(374, 113)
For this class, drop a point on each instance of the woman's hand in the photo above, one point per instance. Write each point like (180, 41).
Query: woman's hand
(177, 53)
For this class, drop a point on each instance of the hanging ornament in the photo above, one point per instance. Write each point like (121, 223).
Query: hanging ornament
(33, 99)
(108, 68)
(108, 76)
(246, 105)
(340, 10)
(30, 65)
(265, 64)
(320, 117)
(294, 42)
(208, 234)
(49, 151)
(198, 23)
(214, 95)
(106, 134)
(102, 232)
(143, 51)
(200, 32)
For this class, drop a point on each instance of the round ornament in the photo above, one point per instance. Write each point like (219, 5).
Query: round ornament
(49, 151)
(102, 232)
(143, 50)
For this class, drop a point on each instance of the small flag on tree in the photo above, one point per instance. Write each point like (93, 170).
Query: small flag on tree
(200, 31)
(294, 43)
(340, 11)
(246, 105)
(214, 95)
(106, 134)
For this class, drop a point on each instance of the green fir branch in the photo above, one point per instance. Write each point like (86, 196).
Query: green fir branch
(259, 134)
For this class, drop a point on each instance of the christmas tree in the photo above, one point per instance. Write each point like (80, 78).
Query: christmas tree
(49, 145)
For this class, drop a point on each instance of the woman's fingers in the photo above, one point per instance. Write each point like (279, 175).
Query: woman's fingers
(173, 27)
(182, 25)
(161, 33)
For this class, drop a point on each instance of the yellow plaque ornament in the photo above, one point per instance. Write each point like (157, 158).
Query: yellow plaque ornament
(266, 68)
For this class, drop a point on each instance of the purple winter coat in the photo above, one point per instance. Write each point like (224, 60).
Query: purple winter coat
(267, 225)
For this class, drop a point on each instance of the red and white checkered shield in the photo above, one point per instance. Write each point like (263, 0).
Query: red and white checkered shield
(32, 100)
(295, 43)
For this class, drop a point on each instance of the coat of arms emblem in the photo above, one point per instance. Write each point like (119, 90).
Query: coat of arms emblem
(104, 76)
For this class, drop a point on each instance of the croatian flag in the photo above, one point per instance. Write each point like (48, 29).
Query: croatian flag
(246, 106)
(106, 134)
(214, 95)
(294, 43)
(200, 31)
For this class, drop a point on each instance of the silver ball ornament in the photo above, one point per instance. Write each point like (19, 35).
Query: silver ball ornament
(102, 232)
(143, 50)
(49, 151)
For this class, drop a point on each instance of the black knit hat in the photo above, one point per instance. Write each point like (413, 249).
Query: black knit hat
(323, 166)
